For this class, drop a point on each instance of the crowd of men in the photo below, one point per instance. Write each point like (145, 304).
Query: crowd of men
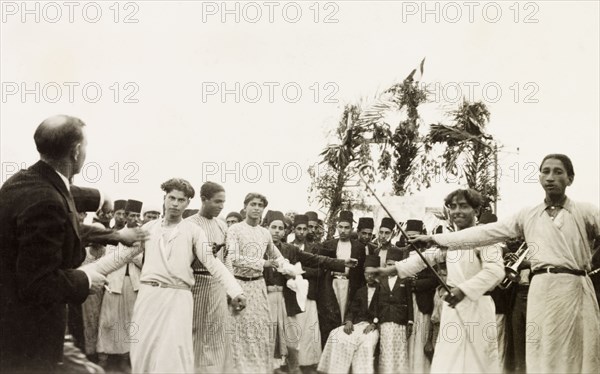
(160, 287)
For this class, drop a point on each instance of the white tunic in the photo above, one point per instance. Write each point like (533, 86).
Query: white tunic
(162, 340)
(467, 339)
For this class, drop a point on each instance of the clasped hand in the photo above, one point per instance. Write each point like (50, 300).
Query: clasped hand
(455, 297)
(271, 264)
(238, 303)
(130, 236)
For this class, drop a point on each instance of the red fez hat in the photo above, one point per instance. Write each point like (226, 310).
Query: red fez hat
(120, 204)
(414, 225)
(312, 216)
(267, 217)
(395, 254)
(236, 215)
(274, 215)
(372, 261)
(365, 223)
(387, 222)
(346, 216)
(300, 219)
(134, 206)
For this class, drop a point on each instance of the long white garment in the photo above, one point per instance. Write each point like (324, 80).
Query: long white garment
(278, 327)
(117, 306)
(163, 316)
(162, 342)
(418, 362)
(563, 318)
(343, 351)
(340, 290)
(304, 327)
(115, 323)
(467, 338)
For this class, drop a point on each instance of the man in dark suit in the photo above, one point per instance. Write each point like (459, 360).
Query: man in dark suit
(395, 314)
(384, 240)
(40, 249)
(338, 289)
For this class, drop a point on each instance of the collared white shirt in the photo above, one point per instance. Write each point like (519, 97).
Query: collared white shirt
(370, 293)
(344, 251)
(383, 257)
(392, 281)
(64, 179)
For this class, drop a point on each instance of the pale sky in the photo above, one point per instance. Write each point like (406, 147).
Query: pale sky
(541, 86)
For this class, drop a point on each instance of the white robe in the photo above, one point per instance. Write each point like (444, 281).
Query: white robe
(162, 337)
(467, 341)
(563, 318)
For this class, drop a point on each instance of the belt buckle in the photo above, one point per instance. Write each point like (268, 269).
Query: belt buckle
(548, 269)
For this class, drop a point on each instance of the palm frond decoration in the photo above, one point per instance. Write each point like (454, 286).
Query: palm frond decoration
(469, 150)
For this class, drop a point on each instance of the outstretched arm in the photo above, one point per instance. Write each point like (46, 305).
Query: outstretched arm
(318, 261)
(115, 258)
(411, 266)
(482, 235)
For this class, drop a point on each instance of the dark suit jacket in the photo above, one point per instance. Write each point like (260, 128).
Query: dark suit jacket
(395, 305)
(312, 274)
(39, 249)
(424, 289)
(329, 310)
(294, 255)
(377, 250)
(372, 248)
(360, 310)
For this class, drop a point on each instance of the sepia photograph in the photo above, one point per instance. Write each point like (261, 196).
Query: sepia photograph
(300, 186)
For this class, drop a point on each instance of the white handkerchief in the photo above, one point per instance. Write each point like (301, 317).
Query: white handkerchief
(300, 286)
(292, 270)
